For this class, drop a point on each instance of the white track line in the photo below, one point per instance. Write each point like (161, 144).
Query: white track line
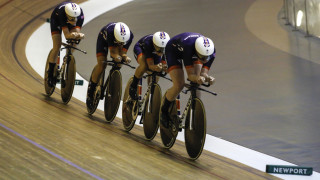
(39, 45)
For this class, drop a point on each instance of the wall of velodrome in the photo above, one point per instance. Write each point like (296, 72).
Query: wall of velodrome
(303, 15)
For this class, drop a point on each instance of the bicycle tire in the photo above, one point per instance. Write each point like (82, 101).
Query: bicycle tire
(169, 135)
(129, 109)
(97, 93)
(113, 96)
(68, 79)
(49, 90)
(195, 137)
(151, 116)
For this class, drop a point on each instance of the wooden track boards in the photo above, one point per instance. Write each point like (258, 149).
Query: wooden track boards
(40, 138)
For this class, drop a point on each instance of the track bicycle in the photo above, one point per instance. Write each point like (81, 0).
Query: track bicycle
(66, 74)
(148, 106)
(193, 121)
(110, 89)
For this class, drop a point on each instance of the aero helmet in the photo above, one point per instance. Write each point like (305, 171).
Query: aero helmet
(121, 32)
(161, 39)
(73, 10)
(204, 46)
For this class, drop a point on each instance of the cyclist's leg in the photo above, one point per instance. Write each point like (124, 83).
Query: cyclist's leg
(177, 77)
(99, 68)
(97, 71)
(141, 69)
(56, 40)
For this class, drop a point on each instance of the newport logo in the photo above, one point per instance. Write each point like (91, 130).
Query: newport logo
(296, 170)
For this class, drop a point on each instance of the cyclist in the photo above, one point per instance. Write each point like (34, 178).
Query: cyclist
(117, 38)
(67, 17)
(148, 52)
(197, 53)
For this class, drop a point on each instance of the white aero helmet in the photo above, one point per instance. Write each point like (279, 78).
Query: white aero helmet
(121, 32)
(73, 9)
(204, 46)
(160, 39)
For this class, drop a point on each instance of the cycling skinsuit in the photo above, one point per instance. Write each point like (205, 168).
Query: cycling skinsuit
(59, 19)
(145, 47)
(106, 39)
(182, 48)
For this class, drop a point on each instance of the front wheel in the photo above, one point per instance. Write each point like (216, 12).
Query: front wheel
(68, 79)
(195, 129)
(113, 96)
(151, 112)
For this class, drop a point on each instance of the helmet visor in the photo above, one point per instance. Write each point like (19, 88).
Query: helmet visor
(118, 43)
(203, 58)
(158, 49)
(72, 20)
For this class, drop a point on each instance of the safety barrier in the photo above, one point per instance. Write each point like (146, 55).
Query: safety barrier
(303, 15)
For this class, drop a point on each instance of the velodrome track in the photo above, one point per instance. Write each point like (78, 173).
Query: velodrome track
(63, 140)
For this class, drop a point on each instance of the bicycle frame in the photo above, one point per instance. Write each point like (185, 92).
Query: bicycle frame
(182, 119)
(114, 67)
(193, 88)
(106, 83)
(66, 58)
(153, 75)
(150, 87)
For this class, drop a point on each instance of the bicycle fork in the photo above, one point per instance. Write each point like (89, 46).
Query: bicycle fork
(141, 102)
(183, 117)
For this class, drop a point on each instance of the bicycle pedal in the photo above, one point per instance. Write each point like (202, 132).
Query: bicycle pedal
(180, 129)
(139, 113)
(63, 84)
(173, 128)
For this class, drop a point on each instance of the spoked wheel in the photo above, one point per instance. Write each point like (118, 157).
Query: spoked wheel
(67, 80)
(169, 135)
(96, 94)
(113, 96)
(151, 113)
(130, 109)
(49, 90)
(195, 129)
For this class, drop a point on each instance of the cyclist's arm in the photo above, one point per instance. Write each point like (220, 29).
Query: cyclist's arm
(193, 73)
(204, 72)
(115, 54)
(152, 66)
(154, 62)
(123, 53)
(72, 35)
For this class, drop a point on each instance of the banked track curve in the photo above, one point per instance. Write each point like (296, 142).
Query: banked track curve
(104, 150)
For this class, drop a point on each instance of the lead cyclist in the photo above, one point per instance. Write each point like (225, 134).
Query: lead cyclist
(67, 17)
